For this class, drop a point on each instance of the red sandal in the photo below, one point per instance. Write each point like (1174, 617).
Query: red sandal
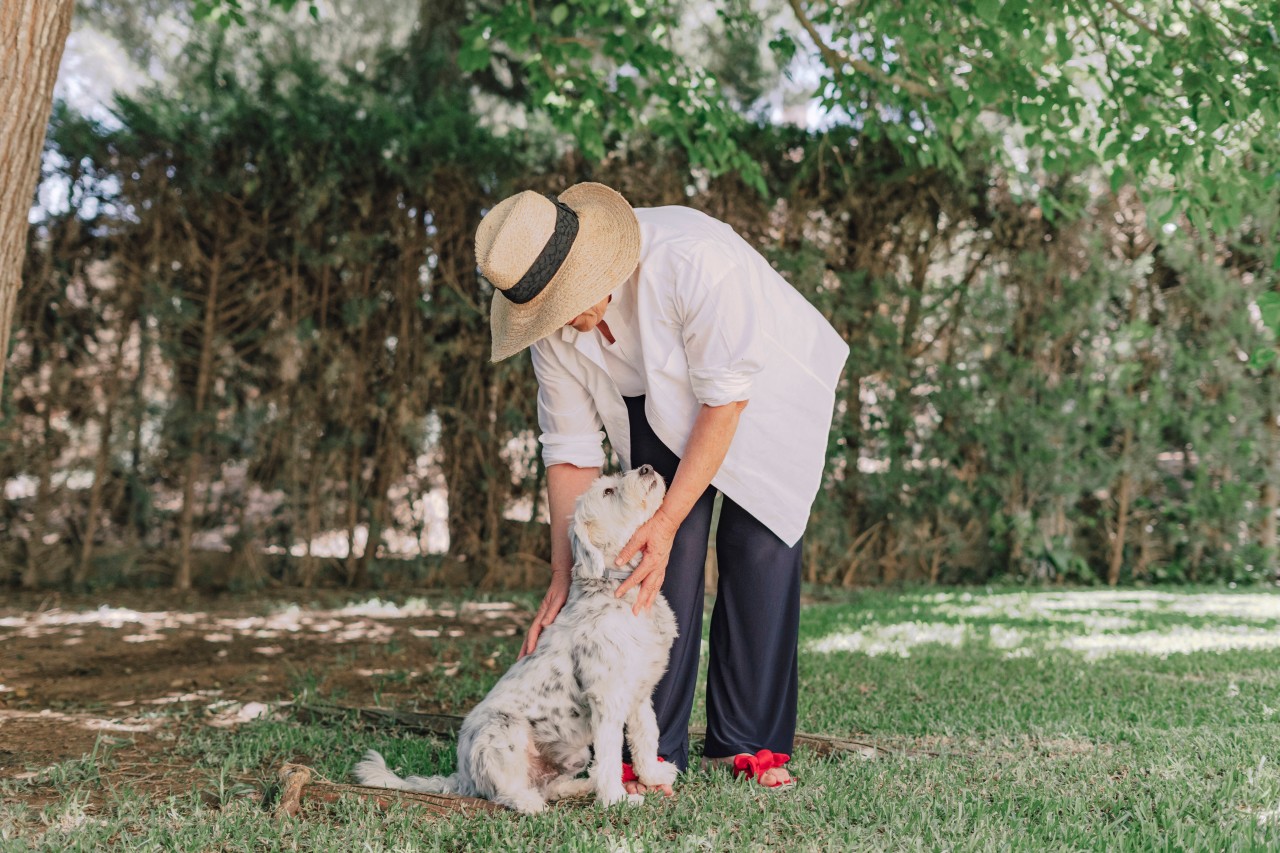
(748, 766)
(629, 775)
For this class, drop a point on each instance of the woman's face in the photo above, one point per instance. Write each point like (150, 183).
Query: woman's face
(589, 319)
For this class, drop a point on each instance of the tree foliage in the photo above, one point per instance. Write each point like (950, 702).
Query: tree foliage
(1144, 91)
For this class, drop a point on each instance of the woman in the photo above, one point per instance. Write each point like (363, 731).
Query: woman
(666, 330)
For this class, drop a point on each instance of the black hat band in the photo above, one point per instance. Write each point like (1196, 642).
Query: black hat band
(550, 259)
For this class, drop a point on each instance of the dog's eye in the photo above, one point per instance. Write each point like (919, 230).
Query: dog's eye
(608, 492)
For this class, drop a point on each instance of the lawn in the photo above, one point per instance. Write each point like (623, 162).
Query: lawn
(1060, 720)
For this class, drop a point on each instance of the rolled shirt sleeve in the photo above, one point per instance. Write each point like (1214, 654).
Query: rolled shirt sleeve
(572, 431)
(721, 338)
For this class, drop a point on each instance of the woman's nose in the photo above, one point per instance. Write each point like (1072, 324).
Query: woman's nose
(646, 469)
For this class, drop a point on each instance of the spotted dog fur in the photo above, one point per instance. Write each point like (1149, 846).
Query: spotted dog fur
(593, 671)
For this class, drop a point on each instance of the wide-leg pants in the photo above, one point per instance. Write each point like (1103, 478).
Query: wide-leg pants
(752, 680)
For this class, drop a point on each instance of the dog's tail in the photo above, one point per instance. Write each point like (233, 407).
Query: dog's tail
(373, 771)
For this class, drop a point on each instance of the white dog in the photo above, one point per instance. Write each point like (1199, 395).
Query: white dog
(594, 670)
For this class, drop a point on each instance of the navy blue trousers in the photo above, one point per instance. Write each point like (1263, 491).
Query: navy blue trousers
(752, 679)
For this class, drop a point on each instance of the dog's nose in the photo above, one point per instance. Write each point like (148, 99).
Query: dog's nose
(645, 470)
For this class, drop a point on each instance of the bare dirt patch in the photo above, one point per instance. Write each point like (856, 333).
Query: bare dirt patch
(75, 669)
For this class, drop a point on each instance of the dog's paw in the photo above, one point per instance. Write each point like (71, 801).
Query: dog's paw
(658, 773)
(608, 796)
(528, 804)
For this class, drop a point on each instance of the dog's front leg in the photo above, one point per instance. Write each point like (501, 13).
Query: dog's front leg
(606, 773)
(642, 734)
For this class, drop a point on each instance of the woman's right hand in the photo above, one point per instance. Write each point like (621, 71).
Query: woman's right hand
(557, 595)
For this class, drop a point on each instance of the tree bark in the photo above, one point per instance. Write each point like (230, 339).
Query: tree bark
(33, 34)
(31, 575)
(355, 490)
(1271, 495)
(102, 462)
(204, 380)
(1123, 493)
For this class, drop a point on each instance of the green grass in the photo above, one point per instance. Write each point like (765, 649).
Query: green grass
(997, 745)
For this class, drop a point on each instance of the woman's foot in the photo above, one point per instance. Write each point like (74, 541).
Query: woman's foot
(764, 766)
(633, 785)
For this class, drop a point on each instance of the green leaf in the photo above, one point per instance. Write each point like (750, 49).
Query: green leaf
(559, 14)
(1269, 306)
(1047, 207)
(784, 47)
(1117, 179)
(1262, 358)
(471, 60)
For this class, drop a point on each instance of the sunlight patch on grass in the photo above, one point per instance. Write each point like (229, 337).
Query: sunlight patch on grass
(1085, 605)
(84, 721)
(359, 622)
(1095, 623)
(1268, 816)
(229, 713)
(1246, 606)
(1177, 641)
(897, 639)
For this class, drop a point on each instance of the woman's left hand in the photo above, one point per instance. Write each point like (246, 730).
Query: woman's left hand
(654, 538)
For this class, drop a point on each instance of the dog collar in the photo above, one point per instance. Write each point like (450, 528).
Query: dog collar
(626, 571)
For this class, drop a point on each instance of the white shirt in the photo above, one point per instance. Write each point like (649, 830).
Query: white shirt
(715, 324)
(622, 356)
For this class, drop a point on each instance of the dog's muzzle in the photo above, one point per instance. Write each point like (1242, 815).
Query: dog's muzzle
(646, 472)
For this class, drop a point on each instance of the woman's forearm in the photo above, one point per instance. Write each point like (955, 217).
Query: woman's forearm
(565, 483)
(708, 443)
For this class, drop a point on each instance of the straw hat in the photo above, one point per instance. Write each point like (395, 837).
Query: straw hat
(551, 259)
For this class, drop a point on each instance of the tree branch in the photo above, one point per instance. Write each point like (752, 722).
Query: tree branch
(1115, 4)
(487, 78)
(837, 60)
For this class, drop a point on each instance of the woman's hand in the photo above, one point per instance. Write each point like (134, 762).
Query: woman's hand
(708, 443)
(654, 538)
(557, 595)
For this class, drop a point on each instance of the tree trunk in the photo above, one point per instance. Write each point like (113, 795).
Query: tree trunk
(382, 474)
(31, 575)
(351, 567)
(113, 383)
(136, 497)
(476, 476)
(1122, 510)
(32, 36)
(1271, 496)
(195, 461)
(307, 574)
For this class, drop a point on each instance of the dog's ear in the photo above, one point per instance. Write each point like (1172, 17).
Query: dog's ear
(585, 554)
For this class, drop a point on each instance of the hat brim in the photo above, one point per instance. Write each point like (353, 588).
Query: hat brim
(604, 253)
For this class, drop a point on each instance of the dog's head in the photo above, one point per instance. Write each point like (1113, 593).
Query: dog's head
(606, 515)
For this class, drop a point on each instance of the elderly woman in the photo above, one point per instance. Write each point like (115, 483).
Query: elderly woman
(669, 332)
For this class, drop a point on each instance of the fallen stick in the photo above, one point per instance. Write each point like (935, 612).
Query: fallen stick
(293, 778)
(443, 725)
(297, 780)
(384, 798)
(827, 744)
